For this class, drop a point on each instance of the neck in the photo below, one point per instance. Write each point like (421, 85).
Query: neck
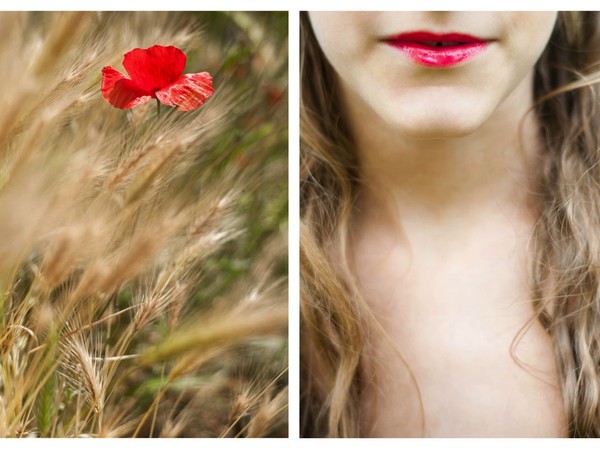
(448, 178)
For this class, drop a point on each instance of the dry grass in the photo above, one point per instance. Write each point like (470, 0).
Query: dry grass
(142, 258)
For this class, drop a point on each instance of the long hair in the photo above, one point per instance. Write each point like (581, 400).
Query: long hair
(566, 250)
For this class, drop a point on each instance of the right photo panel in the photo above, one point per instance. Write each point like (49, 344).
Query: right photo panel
(450, 208)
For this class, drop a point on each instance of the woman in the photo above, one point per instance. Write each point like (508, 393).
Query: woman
(450, 202)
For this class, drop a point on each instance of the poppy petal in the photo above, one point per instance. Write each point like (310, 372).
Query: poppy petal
(121, 92)
(155, 67)
(188, 92)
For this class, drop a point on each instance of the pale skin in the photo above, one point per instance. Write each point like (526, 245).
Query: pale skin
(440, 233)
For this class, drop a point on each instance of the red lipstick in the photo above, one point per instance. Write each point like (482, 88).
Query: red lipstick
(438, 50)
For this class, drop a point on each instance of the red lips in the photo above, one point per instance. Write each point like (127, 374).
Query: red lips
(438, 50)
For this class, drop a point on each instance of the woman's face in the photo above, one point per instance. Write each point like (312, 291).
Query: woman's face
(433, 74)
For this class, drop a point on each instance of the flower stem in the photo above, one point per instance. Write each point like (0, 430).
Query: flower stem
(157, 109)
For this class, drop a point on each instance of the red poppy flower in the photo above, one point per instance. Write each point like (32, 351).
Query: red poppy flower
(155, 73)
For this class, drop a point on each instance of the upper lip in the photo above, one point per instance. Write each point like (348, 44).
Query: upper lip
(429, 38)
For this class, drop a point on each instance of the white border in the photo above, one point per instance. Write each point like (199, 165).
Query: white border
(294, 225)
(293, 6)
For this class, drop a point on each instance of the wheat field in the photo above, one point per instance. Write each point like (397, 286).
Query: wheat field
(143, 256)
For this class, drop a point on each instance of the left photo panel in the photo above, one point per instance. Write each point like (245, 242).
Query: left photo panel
(143, 224)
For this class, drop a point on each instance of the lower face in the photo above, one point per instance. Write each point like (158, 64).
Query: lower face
(433, 74)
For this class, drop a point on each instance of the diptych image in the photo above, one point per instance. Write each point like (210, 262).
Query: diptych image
(448, 193)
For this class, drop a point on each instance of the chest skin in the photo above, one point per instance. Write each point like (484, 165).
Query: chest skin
(461, 355)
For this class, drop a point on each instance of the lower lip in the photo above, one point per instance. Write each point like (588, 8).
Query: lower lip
(427, 55)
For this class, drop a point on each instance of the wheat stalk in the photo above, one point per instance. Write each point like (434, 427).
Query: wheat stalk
(127, 247)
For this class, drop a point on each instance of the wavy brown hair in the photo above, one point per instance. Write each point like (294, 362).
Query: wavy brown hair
(566, 263)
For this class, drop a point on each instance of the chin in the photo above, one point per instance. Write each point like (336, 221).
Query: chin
(448, 114)
(438, 121)
(431, 127)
